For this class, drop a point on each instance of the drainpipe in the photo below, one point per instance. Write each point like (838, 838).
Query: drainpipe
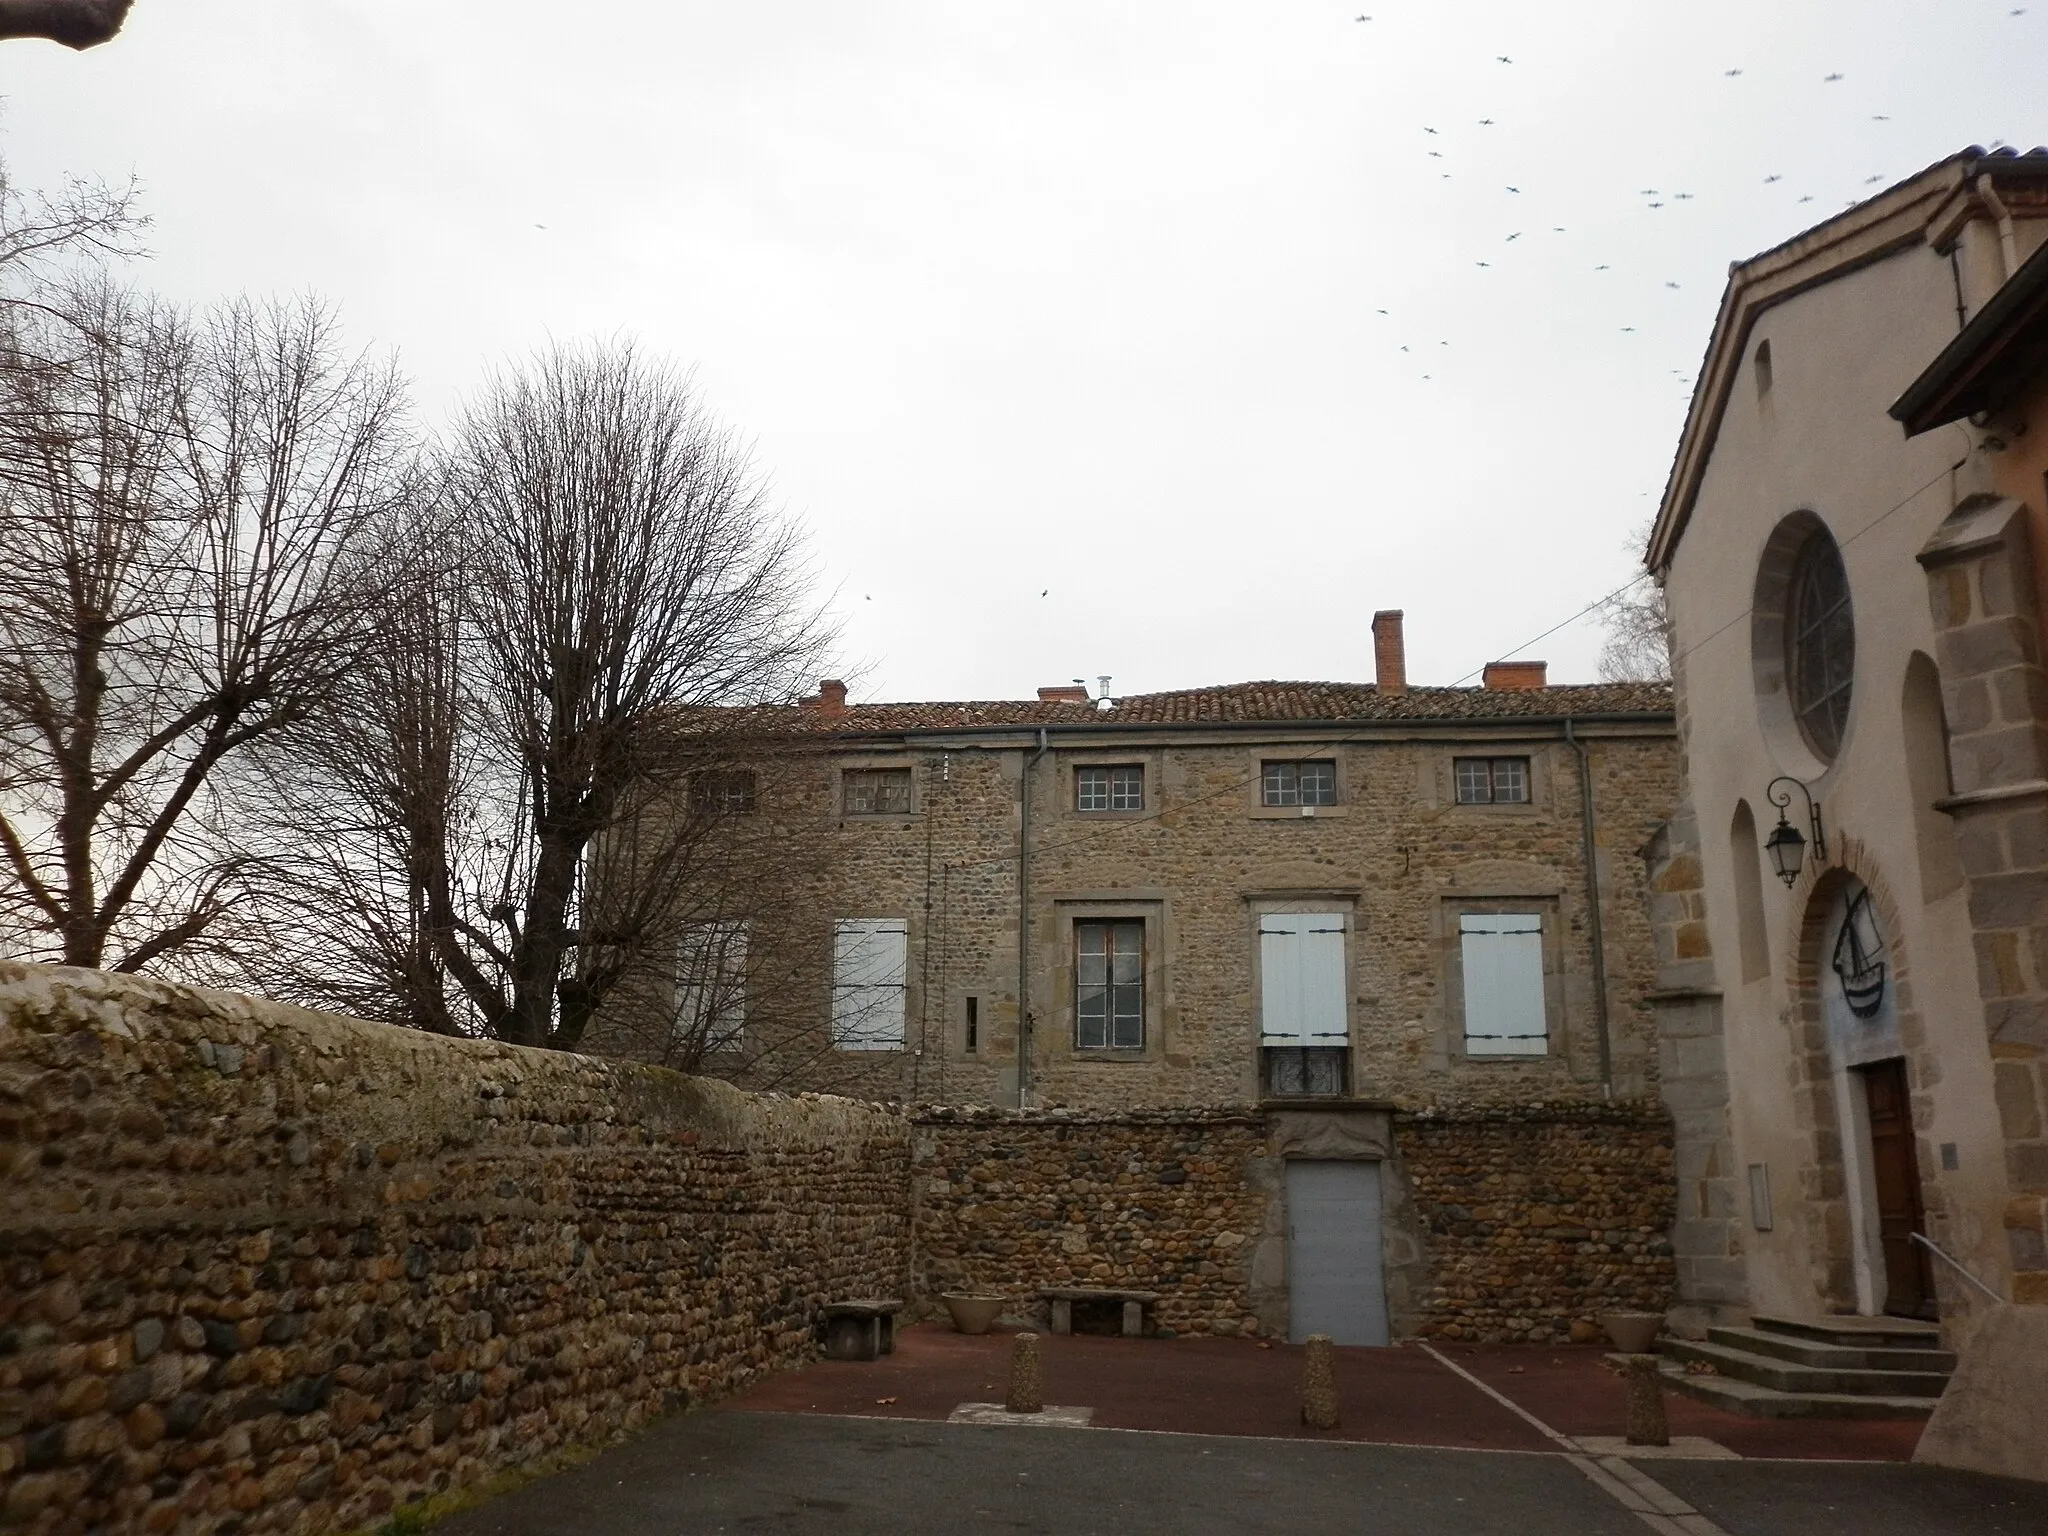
(2008, 249)
(1024, 922)
(1596, 931)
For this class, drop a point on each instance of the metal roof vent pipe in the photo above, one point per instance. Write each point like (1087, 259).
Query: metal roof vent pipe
(1102, 698)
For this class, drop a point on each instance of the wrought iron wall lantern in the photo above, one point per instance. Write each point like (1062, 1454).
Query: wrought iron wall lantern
(1785, 846)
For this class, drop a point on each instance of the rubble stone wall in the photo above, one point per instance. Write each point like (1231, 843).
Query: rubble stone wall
(1541, 1217)
(1525, 1221)
(1162, 1201)
(268, 1270)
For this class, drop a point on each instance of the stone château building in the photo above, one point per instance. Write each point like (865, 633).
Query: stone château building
(1400, 931)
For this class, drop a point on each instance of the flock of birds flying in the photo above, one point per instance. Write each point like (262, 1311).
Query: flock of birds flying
(1650, 199)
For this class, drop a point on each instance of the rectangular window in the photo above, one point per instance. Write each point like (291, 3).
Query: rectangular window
(1502, 954)
(711, 985)
(878, 791)
(723, 791)
(1304, 1025)
(1305, 783)
(869, 972)
(1306, 1072)
(972, 1034)
(1109, 986)
(1121, 788)
(1492, 780)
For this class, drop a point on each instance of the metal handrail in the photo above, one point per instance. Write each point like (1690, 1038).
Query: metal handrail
(1935, 1248)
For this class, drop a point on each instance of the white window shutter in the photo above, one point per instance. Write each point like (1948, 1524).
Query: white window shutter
(1301, 969)
(870, 971)
(711, 984)
(1503, 966)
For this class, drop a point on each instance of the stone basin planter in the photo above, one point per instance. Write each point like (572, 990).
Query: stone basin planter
(972, 1312)
(1632, 1332)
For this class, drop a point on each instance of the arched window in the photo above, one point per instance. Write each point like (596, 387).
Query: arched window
(1749, 894)
(1925, 728)
(1820, 643)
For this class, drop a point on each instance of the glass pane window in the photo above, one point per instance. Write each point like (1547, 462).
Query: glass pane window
(1306, 1071)
(723, 791)
(1821, 640)
(1118, 788)
(878, 791)
(1492, 780)
(1313, 782)
(1109, 986)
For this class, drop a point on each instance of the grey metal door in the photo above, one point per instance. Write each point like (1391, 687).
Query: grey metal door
(1334, 1281)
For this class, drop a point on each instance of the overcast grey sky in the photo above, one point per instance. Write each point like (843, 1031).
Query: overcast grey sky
(1059, 323)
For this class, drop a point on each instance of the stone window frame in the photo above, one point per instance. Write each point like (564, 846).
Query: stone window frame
(1068, 911)
(1444, 770)
(1258, 905)
(1256, 759)
(1451, 954)
(865, 764)
(1070, 764)
(1770, 600)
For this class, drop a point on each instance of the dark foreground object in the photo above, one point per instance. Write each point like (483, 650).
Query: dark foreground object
(808, 1473)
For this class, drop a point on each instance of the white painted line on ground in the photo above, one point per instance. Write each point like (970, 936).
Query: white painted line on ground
(1633, 1489)
(1048, 1417)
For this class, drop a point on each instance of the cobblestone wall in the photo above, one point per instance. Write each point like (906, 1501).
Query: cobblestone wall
(265, 1270)
(1540, 1217)
(1526, 1220)
(1161, 1201)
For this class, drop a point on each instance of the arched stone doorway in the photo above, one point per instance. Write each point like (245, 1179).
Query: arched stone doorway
(1856, 1036)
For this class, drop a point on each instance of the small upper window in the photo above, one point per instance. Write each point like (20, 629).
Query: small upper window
(1763, 368)
(878, 791)
(1492, 780)
(723, 791)
(1120, 788)
(1820, 643)
(1301, 783)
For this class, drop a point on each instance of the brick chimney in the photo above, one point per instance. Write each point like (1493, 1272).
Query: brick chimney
(1507, 676)
(1389, 652)
(1063, 693)
(831, 698)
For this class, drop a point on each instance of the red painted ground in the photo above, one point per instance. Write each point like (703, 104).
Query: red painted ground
(1237, 1387)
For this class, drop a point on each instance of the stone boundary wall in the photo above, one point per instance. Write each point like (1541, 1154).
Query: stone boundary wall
(1540, 1217)
(1526, 1220)
(1008, 1201)
(270, 1270)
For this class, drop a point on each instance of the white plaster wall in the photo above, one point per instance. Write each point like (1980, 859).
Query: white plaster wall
(1821, 441)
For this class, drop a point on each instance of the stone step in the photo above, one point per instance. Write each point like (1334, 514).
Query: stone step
(1758, 1402)
(1788, 1346)
(1783, 1375)
(1879, 1332)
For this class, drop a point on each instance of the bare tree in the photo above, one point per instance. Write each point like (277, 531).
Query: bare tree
(1637, 647)
(512, 801)
(74, 23)
(184, 509)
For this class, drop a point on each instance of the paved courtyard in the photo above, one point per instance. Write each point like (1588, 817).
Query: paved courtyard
(1197, 1436)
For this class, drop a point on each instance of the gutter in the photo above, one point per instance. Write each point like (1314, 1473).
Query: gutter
(1024, 920)
(1595, 927)
(1543, 723)
(2008, 249)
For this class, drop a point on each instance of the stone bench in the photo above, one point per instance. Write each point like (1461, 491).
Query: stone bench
(1063, 1298)
(860, 1329)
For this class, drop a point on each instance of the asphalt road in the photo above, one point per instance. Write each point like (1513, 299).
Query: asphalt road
(810, 1473)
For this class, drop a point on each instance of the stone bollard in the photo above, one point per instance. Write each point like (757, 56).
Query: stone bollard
(1027, 1385)
(1646, 1422)
(1319, 1384)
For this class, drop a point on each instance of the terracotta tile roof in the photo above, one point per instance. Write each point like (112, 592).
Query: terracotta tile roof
(1276, 702)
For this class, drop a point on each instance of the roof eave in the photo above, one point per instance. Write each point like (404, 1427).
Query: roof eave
(1989, 359)
(1894, 220)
